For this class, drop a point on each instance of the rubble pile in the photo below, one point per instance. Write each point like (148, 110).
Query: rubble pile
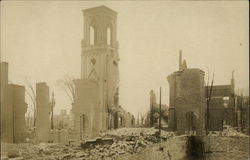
(126, 141)
(149, 134)
(227, 131)
(26, 151)
(134, 131)
(230, 131)
(121, 142)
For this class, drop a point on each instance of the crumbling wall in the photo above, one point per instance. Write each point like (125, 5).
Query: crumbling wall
(20, 108)
(171, 119)
(87, 110)
(112, 81)
(190, 97)
(6, 106)
(43, 109)
(220, 109)
(187, 96)
(129, 118)
(7, 115)
(13, 109)
(59, 136)
(216, 117)
(245, 119)
(219, 91)
(122, 118)
(216, 114)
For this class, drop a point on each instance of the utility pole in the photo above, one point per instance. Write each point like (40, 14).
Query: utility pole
(59, 135)
(151, 113)
(13, 125)
(207, 112)
(208, 102)
(52, 110)
(81, 126)
(138, 119)
(160, 114)
(151, 109)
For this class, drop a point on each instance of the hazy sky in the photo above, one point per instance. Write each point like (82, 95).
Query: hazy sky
(41, 42)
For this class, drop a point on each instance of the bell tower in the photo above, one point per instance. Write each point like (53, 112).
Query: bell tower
(100, 26)
(99, 57)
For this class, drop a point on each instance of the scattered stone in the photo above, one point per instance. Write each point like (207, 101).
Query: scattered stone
(80, 154)
(12, 153)
(17, 158)
(113, 144)
(65, 157)
(4, 157)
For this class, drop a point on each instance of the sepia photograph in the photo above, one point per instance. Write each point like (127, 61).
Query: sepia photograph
(124, 80)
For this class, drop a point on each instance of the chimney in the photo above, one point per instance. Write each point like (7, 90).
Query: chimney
(180, 60)
(184, 65)
(232, 83)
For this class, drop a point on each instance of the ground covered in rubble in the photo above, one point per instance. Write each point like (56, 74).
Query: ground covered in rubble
(125, 142)
(136, 144)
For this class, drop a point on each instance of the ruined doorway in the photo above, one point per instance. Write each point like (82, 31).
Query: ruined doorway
(191, 120)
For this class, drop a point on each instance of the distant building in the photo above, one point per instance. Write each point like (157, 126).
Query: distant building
(13, 109)
(152, 104)
(152, 117)
(122, 118)
(62, 120)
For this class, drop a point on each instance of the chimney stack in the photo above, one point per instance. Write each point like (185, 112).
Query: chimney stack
(180, 60)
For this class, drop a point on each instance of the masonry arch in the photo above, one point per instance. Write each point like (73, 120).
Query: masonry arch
(191, 121)
(92, 35)
(109, 36)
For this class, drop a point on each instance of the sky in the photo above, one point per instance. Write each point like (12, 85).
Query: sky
(41, 42)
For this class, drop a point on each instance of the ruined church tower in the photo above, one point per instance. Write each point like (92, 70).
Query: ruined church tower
(99, 57)
(97, 92)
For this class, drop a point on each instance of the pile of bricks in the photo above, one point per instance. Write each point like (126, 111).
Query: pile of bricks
(111, 146)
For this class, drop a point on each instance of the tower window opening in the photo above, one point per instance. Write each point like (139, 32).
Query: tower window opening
(108, 36)
(92, 35)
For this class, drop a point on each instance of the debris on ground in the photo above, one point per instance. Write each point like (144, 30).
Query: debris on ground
(113, 144)
(227, 131)
(230, 131)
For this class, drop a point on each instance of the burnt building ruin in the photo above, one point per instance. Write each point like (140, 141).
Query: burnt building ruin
(241, 114)
(227, 108)
(153, 115)
(197, 107)
(96, 106)
(221, 109)
(187, 99)
(13, 109)
(43, 111)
